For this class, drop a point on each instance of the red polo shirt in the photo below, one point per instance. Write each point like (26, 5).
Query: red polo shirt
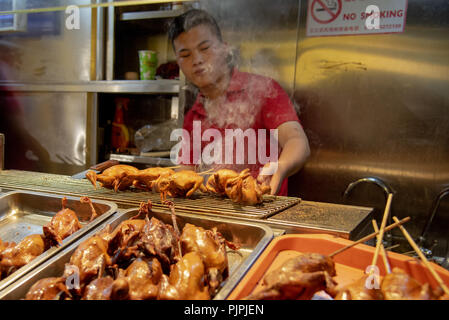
(251, 102)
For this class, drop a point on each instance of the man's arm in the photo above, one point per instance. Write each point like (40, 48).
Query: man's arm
(295, 151)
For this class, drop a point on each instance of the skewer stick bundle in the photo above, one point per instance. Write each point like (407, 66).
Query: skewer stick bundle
(382, 229)
(370, 236)
(382, 249)
(423, 258)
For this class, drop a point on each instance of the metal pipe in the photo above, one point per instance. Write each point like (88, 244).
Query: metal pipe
(386, 189)
(432, 214)
(377, 181)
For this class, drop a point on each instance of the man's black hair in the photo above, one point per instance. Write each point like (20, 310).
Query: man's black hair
(191, 19)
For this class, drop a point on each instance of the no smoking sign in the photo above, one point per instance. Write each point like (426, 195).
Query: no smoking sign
(325, 11)
(355, 17)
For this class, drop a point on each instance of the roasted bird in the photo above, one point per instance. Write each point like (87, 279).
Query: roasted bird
(90, 260)
(398, 285)
(48, 289)
(299, 278)
(186, 281)
(143, 277)
(245, 189)
(180, 184)
(358, 290)
(217, 182)
(141, 259)
(161, 241)
(147, 177)
(15, 256)
(211, 246)
(106, 288)
(122, 242)
(118, 177)
(63, 224)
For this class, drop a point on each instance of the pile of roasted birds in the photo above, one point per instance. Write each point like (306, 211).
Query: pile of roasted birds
(240, 187)
(63, 224)
(142, 258)
(308, 274)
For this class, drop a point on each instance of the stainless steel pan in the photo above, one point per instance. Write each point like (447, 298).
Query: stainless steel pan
(252, 237)
(23, 213)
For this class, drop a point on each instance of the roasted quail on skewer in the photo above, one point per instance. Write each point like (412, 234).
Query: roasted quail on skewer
(299, 278)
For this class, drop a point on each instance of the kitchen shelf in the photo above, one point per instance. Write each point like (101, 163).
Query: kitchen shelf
(159, 14)
(155, 161)
(163, 86)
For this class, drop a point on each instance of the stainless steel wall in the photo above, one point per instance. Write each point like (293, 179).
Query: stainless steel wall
(377, 105)
(54, 123)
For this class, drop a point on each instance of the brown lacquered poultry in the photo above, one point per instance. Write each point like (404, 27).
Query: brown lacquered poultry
(122, 241)
(217, 182)
(299, 278)
(146, 178)
(161, 241)
(48, 289)
(106, 288)
(180, 184)
(63, 224)
(398, 285)
(358, 290)
(90, 260)
(118, 177)
(15, 256)
(244, 189)
(143, 277)
(186, 280)
(211, 246)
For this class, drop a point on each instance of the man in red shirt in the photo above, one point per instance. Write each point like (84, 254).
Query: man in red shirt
(233, 104)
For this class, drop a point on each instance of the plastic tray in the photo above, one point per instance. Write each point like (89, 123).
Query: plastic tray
(350, 264)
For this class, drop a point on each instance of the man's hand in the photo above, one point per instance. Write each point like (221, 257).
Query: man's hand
(295, 151)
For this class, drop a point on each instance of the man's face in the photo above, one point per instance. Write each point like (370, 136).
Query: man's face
(201, 56)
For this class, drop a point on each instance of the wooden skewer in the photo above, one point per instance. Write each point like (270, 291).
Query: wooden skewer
(211, 170)
(369, 237)
(423, 258)
(382, 229)
(173, 167)
(382, 250)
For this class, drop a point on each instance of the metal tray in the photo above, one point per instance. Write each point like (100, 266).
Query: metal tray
(253, 238)
(23, 213)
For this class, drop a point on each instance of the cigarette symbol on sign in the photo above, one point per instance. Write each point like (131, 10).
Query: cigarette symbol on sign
(325, 11)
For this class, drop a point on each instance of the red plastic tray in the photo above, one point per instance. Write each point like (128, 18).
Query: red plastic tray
(350, 264)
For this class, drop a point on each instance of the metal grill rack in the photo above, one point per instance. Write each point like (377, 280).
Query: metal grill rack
(198, 203)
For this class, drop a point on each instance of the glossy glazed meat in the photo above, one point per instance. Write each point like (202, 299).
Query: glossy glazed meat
(211, 247)
(90, 260)
(398, 285)
(48, 289)
(180, 184)
(217, 182)
(161, 241)
(147, 177)
(106, 288)
(15, 256)
(359, 290)
(186, 280)
(299, 278)
(63, 224)
(143, 277)
(244, 189)
(118, 177)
